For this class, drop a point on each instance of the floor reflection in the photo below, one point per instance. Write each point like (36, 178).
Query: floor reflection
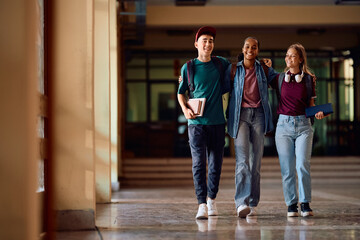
(170, 214)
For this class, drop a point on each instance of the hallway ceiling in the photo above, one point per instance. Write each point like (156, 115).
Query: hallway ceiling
(135, 32)
(255, 2)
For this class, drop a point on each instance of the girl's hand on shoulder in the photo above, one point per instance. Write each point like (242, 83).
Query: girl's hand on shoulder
(180, 79)
(267, 62)
(319, 115)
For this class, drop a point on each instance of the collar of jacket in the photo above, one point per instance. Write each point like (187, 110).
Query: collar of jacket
(241, 63)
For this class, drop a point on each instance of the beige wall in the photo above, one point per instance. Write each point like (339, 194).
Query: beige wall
(71, 76)
(232, 39)
(276, 26)
(19, 152)
(161, 16)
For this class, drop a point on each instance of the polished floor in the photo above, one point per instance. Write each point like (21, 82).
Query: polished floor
(170, 214)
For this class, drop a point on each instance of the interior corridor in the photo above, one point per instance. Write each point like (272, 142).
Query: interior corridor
(93, 142)
(169, 213)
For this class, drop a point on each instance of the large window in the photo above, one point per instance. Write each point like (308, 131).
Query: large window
(136, 110)
(152, 111)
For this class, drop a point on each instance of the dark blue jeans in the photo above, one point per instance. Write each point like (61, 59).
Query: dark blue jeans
(206, 142)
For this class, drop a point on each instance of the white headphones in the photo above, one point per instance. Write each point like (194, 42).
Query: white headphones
(298, 77)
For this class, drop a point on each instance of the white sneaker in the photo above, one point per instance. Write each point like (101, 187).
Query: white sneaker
(202, 212)
(212, 223)
(242, 211)
(202, 225)
(211, 205)
(252, 211)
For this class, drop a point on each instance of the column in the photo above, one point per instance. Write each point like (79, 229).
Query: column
(70, 75)
(114, 95)
(19, 104)
(102, 102)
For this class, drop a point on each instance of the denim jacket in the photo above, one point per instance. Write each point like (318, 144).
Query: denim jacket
(236, 96)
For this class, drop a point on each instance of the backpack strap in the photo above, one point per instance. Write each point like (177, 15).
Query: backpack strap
(233, 72)
(265, 68)
(218, 64)
(232, 75)
(309, 87)
(191, 72)
(190, 67)
(309, 90)
(280, 81)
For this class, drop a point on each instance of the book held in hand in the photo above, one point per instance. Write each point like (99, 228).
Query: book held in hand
(326, 108)
(197, 105)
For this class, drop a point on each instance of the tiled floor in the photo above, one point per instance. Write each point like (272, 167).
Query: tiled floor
(170, 214)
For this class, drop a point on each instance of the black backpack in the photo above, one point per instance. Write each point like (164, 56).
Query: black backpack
(191, 70)
(217, 62)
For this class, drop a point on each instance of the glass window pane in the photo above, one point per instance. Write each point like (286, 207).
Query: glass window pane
(163, 102)
(281, 54)
(279, 64)
(344, 72)
(136, 102)
(165, 69)
(161, 69)
(346, 92)
(264, 54)
(320, 67)
(136, 69)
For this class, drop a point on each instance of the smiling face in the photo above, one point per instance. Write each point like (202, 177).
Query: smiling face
(205, 45)
(250, 49)
(292, 58)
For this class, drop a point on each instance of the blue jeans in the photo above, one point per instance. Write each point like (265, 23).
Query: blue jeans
(206, 142)
(249, 148)
(293, 138)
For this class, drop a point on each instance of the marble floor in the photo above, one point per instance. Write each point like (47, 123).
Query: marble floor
(170, 214)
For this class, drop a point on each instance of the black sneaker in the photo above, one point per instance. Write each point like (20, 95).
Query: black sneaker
(293, 210)
(306, 211)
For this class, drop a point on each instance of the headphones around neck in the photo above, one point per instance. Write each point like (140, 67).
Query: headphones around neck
(298, 77)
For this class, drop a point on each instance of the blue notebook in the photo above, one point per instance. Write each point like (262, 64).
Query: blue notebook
(326, 108)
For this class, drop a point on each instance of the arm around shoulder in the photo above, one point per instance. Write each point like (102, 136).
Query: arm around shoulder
(272, 74)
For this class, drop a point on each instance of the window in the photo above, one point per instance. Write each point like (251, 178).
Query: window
(152, 107)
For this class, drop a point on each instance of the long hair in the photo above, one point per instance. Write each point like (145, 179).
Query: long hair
(302, 54)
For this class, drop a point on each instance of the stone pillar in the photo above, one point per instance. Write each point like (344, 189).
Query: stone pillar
(102, 101)
(70, 75)
(114, 96)
(19, 104)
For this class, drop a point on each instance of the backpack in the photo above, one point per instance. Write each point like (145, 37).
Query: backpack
(309, 89)
(217, 62)
(219, 66)
(191, 70)
(190, 76)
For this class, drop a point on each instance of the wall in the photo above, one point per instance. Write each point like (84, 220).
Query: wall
(317, 27)
(19, 101)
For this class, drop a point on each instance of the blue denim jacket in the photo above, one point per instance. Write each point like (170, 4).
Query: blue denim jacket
(237, 94)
